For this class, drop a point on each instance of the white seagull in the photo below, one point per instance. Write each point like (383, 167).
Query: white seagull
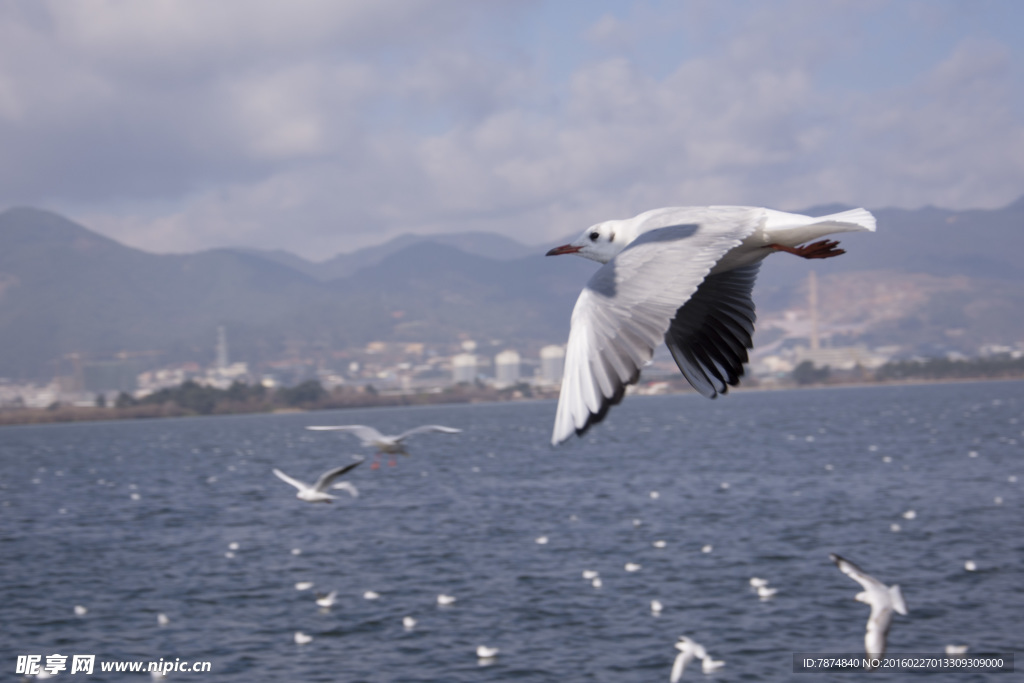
(326, 599)
(688, 649)
(883, 600)
(682, 275)
(317, 493)
(391, 444)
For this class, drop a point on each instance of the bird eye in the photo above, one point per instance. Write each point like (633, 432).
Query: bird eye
(594, 235)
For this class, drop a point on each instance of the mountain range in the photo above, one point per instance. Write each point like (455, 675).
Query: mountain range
(928, 279)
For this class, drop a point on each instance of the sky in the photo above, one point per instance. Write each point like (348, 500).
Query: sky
(320, 127)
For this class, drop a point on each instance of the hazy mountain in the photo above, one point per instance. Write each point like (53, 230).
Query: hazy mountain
(485, 244)
(949, 279)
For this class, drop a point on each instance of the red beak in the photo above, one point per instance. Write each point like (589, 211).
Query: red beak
(564, 249)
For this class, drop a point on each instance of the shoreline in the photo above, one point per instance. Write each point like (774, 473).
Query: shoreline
(17, 417)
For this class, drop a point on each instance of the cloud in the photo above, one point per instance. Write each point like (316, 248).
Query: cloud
(327, 126)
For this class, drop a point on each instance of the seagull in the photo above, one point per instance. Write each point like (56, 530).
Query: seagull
(326, 599)
(386, 444)
(757, 582)
(484, 652)
(683, 275)
(317, 493)
(656, 607)
(688, 649)
(408, 623)
(883, 600)
(445, 600)
(766, 592)
(303, 585)
(301, 638)
(956, 650)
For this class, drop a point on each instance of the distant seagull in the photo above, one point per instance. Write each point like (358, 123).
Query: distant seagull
(303, 585)
(656, 607)
(317, 493)
(956, 650)
(484, 652)
(301, 638)
(371, 595)
(659, 544)
(688, 649)
(384, 443)
(707, 548)
(81, 611)
(970, 566)
(766, 592)
(408, 623)
(162, 620)
(633, 567)
(682, 275)
(542, 540)
(326, 599)
(589, 574)
(883, 601)
(445, 600)
(757, 582)
(596, 582)
(910, 514)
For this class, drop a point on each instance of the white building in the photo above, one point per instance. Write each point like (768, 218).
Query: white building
(506, 369)
(552, 364)
(464, 368)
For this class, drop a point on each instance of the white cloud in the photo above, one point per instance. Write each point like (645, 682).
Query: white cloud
(321, 126)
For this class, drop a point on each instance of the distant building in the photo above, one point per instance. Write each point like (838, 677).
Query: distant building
(506, 369)
(552, 364)
(222, 348)
(115, 375)
(464, 368)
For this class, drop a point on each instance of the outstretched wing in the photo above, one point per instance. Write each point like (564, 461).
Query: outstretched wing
(628, 306)
(367, 435)
(426, 428)
(711, 333)
(300, 485)
(330, 475)
(870, 583)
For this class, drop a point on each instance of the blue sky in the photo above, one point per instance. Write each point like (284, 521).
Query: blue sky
(319, 127)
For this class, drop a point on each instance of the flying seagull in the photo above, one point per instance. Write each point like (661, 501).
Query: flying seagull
(386, 444)
(688, 649)
(683, 275)
(316, 493)
(883, 600)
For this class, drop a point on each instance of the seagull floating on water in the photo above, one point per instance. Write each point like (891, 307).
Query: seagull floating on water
(956, 650)
(391, 444)
(484, 652)
(301, 638)
(445, 600)
(408, 623)
(326, 599)
(682, 275)
(316, 493)
(883, 601)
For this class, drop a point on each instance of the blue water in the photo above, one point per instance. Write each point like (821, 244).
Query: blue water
(461, 515)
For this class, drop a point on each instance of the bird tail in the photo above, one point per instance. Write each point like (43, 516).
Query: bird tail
(792, 229)
(854, 220)
(897, 600)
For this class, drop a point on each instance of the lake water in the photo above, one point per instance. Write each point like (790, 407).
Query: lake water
(808, 473)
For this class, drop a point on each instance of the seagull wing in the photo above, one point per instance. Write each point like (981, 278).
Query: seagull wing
(426, 428)
(628, 306)
(347, 486)
(368, 435)
(682, 659)
(711, 332)
(300, 485)
(870, 583)
(330, 475)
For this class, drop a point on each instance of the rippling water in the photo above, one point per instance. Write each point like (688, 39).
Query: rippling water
(806, 474)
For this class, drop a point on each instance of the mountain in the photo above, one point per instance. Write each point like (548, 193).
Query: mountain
(485, 244)
(928, 279)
